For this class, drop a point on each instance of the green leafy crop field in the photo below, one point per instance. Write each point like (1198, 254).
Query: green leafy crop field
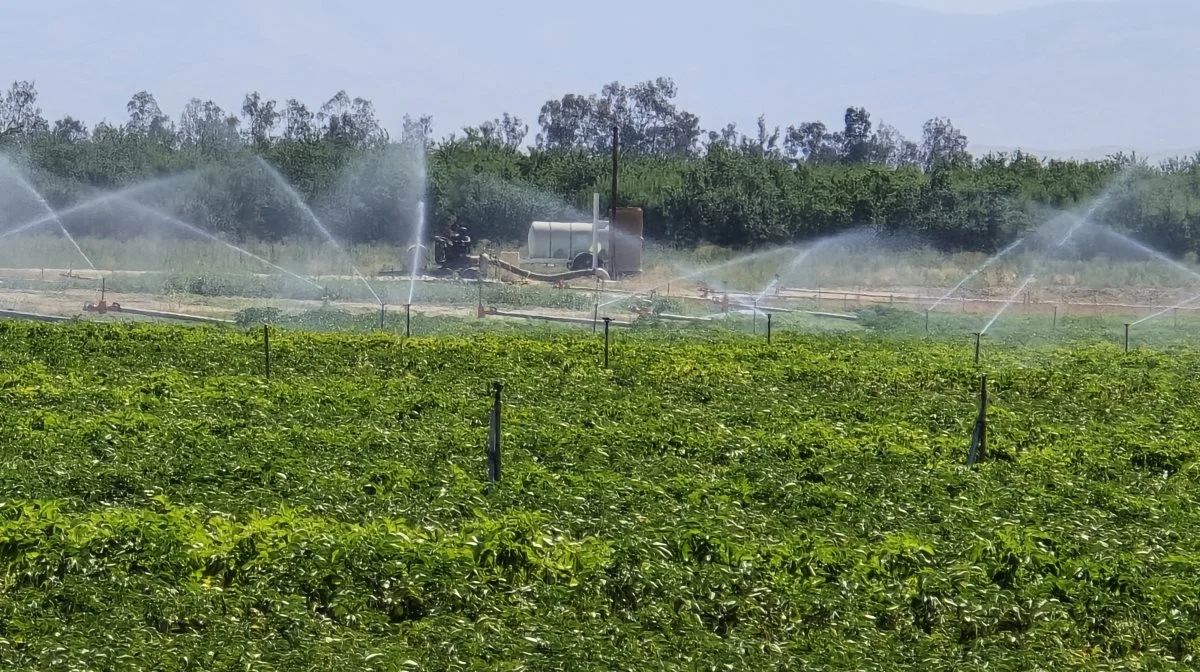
(711, 502)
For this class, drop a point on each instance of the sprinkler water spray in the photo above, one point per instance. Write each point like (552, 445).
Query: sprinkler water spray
(991, 260)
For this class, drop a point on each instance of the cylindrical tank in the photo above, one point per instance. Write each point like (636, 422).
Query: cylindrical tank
(628, 241)
(559, 240)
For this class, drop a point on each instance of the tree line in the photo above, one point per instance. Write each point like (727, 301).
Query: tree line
(772, 185)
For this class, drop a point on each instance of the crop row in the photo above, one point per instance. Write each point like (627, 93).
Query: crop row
(709, 501)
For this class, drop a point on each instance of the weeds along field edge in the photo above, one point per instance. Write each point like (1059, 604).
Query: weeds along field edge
(709, 500)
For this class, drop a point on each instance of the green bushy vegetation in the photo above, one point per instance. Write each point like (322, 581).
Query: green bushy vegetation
(710, 502)
(722, 186)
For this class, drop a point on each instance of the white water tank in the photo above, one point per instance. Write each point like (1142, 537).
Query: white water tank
(564, 241)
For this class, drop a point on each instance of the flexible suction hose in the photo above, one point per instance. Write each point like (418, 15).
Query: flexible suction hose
(545, 277)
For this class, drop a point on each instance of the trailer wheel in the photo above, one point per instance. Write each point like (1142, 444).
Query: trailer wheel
(583, 262)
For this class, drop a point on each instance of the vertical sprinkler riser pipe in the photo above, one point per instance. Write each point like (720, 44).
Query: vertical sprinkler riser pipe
(607, 321)
(494, 440)
(978, 450)
(267, 349)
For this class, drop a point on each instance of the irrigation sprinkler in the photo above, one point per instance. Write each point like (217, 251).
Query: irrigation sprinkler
(927, 321)
(978, 337)
(978, 449)
(407, 320)
(754, 318)
(607, 321)
(267, 349)
(768, 328)
(1127, 337)
(381, 312)
(493, 451)
(1054, 324)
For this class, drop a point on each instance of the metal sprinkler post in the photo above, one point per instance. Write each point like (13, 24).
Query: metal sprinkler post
(926, 321)
(493, 453)
(978, 449)
(769, 328)
(1126, 337)
(607, 321)
(407, 320)
(267, 349)
(978, 336)
(1054, 324)
(381, 311)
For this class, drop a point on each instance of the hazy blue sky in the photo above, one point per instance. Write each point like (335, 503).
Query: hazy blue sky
(980, 6)
(1058, 77)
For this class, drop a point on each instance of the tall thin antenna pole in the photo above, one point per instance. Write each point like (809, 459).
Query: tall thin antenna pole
(612, 206)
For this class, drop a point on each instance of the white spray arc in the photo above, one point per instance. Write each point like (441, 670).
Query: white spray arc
(122, 194)
(192, 228)
(701, 272)
(51, 215)
(299, 201)
(1105, 197)
(1008, 303)
(991, 260)
(417, 250)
